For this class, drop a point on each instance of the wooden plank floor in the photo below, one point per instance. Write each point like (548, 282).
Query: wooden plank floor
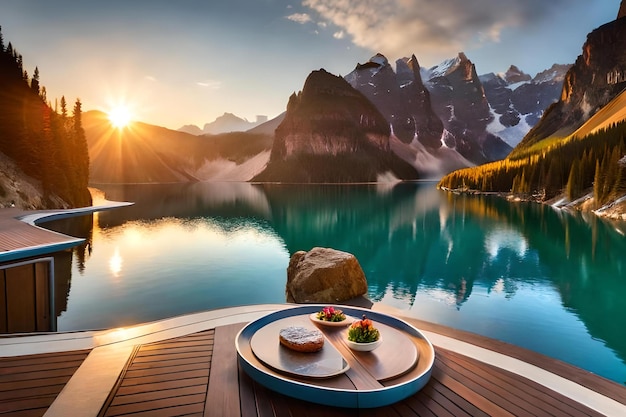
(585, 378)
(198, 375)
(169, 377)
(29, 384)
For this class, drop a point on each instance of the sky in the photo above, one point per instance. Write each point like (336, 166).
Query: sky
(179, 62)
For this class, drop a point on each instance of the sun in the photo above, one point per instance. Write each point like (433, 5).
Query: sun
(120, 116)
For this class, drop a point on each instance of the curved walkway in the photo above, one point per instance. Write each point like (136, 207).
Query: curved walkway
(20, 237)
(90, 386)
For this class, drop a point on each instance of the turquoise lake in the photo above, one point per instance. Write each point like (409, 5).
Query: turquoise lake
(527, 274)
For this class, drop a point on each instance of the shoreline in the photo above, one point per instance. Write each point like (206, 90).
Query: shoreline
(614, 210)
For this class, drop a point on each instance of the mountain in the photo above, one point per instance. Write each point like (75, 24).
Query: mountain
(597, 76)
(332, 133)
(401, 97)
(228, 122)
(575, 154)
(417, 134)
(459, 99)
(518, 101)
(225, 123)
(477, 110)
(270, 126)
(143, 153)
(191, 129)
(439, 120)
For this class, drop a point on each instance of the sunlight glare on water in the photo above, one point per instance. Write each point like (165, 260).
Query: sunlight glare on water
(214, 263)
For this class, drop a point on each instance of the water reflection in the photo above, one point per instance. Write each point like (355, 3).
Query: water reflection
(523, 273)
(64, 262)
(184, 201)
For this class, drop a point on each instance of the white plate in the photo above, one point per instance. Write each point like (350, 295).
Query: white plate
(364, 347)
(342, 323)
(325, 363)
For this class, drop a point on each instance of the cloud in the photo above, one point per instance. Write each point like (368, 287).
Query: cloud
(434, 30)
(210, 84)
(339, 35)
(150, 78)
(301, 18)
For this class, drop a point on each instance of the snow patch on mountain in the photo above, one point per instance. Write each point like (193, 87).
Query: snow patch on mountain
(515, 86)
(517, 102)
(444, 68)
(510, 134)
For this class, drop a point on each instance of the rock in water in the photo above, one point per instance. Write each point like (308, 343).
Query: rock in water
(324, 275)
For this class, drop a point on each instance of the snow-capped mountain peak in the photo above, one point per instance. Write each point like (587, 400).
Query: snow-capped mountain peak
(448, 66)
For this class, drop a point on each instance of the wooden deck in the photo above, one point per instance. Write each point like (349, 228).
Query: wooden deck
(29, 384)
(197, 374)
(178, 377)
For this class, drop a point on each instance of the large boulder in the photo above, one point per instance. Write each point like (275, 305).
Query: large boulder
(324, 275)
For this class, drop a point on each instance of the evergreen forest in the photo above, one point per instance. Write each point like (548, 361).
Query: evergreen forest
(48, 144)
(573, 166)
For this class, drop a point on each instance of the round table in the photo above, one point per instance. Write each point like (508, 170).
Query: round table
(337, 375)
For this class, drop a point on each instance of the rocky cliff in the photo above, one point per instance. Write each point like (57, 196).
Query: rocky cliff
(328, 117)
(332, 133)
(459, 100)
(597, 76)
(401, 97)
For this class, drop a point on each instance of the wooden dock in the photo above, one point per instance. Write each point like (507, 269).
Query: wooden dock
(21, 238)
(188, 366)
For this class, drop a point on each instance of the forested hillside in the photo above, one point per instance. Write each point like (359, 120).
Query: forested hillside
(574, 166)
(47, 144)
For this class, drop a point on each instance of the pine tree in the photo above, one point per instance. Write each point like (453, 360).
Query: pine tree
(553, 181)
(619, 189)
(81, 153)
(574, 186)
(34, 83)
(597, 185)
(47, 151)
(63, 108)
(20, 63)
(610, 169)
